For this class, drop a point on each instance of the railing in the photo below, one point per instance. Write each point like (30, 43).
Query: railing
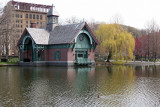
(83, 61)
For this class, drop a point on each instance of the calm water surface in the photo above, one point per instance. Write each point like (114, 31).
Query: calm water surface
(126, 86)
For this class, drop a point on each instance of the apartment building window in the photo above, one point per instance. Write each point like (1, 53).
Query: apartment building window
(37, 16)
(21, 21)
(30, 16)
(17, 21)
(22, 7)
(25, 7)
(21, 26)
(41, 17)
(26, 16)
(28, 7)
(34, 16)
(21, 16)
(18, 15)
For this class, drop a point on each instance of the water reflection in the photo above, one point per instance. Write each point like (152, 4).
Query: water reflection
(80, 86)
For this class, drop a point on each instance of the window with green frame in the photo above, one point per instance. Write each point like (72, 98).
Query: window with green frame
(57, 55)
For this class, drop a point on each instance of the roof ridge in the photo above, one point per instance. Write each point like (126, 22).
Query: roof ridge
(72, 24)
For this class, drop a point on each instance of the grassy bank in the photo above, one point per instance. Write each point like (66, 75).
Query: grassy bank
(11, 61)
(102, 62)
(118, 62)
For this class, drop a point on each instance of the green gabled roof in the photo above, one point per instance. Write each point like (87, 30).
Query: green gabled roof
(62, 34)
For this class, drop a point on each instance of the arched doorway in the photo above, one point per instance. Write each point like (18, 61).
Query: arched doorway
(28, 50)
(81, 49)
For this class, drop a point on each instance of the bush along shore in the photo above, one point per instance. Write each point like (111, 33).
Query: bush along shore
(99, 63)
(12, 61)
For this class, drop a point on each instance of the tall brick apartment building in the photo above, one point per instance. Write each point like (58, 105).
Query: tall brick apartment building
(23, 14)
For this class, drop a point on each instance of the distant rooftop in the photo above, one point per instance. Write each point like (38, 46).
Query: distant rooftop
(30, 6)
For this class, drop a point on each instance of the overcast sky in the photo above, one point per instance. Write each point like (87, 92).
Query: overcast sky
(136, 13)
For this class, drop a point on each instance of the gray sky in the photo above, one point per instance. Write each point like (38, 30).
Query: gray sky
(136, 13)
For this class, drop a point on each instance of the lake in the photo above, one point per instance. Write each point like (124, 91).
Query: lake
(126, 86)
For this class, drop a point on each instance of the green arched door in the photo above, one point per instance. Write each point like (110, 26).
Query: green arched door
(81, 49)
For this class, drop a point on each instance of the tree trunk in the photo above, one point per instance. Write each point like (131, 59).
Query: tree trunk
(7, 41)
(109, 57)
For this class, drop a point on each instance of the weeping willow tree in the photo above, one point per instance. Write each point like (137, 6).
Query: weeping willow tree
(115, 42)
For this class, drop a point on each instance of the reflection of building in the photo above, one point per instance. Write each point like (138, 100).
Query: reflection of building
(22, 15)
(64, 45)
(79, 73)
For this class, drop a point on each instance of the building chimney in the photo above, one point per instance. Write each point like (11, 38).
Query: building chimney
(33, 25)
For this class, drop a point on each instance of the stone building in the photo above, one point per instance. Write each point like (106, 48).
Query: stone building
(22, 15)
(72, 44)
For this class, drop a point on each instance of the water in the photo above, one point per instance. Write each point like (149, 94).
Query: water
(126, 86)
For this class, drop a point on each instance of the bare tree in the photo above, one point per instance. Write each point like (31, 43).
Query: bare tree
(72, 20)
(153, 39)
(5, 29)
(117, 19)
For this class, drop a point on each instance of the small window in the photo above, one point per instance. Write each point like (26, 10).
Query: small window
(80, 55)
(25, 7)
(22, 7)
(37, 16)
(26, 21)
(21, 21)
(57, 55)
(28, 7)
(41, 17)
(21, 16)
(56, 20)
(26, 16)
(30, 16)
(34, 16)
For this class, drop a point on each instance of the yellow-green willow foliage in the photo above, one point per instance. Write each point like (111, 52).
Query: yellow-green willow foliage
(115, 41)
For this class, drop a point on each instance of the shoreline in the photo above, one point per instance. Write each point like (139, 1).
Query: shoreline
(141, 63)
